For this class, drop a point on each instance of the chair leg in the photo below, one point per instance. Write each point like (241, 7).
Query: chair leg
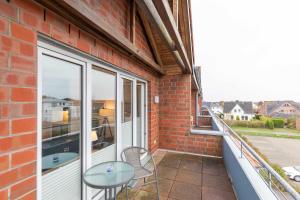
(157, 189)
(126, 192)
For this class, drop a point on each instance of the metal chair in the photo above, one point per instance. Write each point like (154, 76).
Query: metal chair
(141, 159)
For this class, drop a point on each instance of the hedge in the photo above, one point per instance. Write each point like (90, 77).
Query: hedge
(249, 124)
(278, 122)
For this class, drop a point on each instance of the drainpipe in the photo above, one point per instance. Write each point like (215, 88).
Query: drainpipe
(151, 13)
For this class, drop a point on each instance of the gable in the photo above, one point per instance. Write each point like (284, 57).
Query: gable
(238, 109)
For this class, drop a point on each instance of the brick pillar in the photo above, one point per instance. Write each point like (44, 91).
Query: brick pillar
(298, 124)
(174, 111)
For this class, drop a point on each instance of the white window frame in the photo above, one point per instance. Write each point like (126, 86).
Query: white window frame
(59, 50)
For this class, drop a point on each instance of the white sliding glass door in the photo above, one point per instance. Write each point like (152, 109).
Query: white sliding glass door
(140, 115)
(88, 113)
(126, 112)
(61, 127)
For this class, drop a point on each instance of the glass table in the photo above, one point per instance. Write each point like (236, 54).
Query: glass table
(109, 176)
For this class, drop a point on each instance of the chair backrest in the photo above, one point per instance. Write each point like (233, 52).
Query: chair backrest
(132, 155)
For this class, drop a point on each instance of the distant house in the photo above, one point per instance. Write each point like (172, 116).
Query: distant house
(238, 110)
(216, 107)
(284, 109)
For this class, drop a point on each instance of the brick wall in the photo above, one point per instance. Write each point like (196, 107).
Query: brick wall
(298, 124)
(176, 103)
(175, 110)
(204, 121)
(20, 23)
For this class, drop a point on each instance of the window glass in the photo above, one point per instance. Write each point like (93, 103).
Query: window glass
(127, 122)
(61, 113)
(103, 108)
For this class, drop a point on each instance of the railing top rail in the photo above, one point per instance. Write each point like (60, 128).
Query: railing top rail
(283, 182)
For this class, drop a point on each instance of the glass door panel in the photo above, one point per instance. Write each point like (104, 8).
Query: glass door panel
(61, 128)
(126, 112)
(103, 133)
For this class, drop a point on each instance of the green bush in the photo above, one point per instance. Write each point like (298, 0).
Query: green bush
(269, 124)
(238, 118)
(278, 122)
(247, 124)
(256, 124)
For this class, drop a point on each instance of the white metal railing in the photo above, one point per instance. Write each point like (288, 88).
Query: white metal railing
(277, 184)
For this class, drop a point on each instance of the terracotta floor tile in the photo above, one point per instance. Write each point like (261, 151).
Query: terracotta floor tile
(192, 165)
(216, 194)
(192, 157)
(189, 177)
(164, 185)
(186, 191)
(167, 172)
(170, 163)
(218, 182)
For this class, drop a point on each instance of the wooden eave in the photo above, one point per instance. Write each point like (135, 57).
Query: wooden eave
(165, 12)
(185, 27)
(83, 17)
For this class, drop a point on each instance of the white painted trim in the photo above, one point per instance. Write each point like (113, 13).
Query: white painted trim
(87, 147)
(39, 126)
(134, 111)
(45, 52)
(119, 118)
(206, 132)
(188, 153)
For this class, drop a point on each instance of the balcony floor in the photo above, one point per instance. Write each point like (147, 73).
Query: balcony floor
(186, 177)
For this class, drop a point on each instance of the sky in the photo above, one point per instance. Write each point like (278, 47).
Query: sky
(248, 50)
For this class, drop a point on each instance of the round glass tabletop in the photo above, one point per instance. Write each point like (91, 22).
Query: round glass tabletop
(108, 174)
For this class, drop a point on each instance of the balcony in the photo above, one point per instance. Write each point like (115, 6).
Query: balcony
(186, 176)
(251, 177)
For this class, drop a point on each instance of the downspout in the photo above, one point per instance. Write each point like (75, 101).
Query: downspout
(151, 13)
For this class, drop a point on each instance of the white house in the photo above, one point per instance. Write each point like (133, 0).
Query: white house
(216, 108)
(236, 110)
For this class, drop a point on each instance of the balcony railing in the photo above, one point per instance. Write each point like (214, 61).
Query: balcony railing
(275, 186)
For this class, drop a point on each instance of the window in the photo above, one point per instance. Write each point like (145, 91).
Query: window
(127, 117)
(61, 113)
(235, 110)
(232, 117)
(78, 128)
(243, 118)
(246, 118)
(103, 108)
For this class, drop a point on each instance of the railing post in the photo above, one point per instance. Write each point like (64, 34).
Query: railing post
(241, 149)
(270, 180)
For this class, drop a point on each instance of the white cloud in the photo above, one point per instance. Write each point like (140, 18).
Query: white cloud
(248, 50)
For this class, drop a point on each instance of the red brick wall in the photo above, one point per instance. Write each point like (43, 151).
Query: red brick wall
(20, 23)
(174, 119)
(204, 121)
(298, 124)
(175, 110)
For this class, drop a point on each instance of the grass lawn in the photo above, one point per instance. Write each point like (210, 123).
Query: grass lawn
(276, 132)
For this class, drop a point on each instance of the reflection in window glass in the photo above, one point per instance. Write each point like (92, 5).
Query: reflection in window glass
(127, 101)
(61, 117)
(103, 109)
(127, 123)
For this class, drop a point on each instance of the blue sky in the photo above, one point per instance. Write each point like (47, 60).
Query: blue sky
(248, 50)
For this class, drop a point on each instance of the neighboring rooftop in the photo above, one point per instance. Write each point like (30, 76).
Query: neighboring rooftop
(247, 106)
